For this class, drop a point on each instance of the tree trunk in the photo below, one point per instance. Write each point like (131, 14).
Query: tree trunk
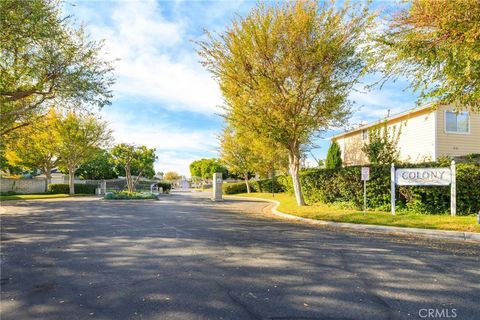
(294, 166)
(71, 180)
(246, 182)
(48, 178)
(128, 175)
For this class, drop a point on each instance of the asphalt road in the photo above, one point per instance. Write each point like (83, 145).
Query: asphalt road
(184, 257)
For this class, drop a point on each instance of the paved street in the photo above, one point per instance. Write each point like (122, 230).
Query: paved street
(184, 257)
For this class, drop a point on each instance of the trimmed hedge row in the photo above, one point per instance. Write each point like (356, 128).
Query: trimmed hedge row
(80, 188)
(343, 185)
(125, 195)
(234, 188)
(255, 186)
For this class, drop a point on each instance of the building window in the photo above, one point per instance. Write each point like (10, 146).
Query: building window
(364, 135)
(456, 122)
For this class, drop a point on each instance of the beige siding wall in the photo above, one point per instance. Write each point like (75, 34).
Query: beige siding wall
(351, 147)
(417, 138)
(416, 141)
(456, 144)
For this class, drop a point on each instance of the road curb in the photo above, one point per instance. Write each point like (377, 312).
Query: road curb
(437, 234)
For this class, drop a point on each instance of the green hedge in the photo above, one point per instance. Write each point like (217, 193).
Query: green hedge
(79, 188)
(265, 185)
(166, 186)
(125, 195)
(343, 185)
(234, 188)
(255, 186)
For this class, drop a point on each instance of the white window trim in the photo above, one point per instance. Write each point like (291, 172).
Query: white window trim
(445, 122)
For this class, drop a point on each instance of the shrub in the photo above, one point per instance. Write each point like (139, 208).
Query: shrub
(80, 188)
(125, 195)
(234, 188)
(334, 156)
(166, 186)
(265, 185)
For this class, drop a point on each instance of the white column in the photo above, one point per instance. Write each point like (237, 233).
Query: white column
(453, 190)
(392, 188)
(217, 187)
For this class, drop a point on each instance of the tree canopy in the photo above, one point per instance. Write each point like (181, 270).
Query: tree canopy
(80, 137)
(435, 44)
(45, 58)
(35, 147)
(135, 160)
(100, 167)
(171, 176)
(205, 168)
(286, 70)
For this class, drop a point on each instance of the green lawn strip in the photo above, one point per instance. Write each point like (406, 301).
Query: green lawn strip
(39, 196)
(325, 212)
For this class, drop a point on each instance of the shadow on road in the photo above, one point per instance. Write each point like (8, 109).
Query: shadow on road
(185, 257)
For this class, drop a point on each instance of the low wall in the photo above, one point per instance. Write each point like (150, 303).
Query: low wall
(22, 185)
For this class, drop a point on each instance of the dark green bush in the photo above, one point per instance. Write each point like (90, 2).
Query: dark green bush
(166, 186)
(265, 185)
(234, 188)
(79, 188)
(343, 185)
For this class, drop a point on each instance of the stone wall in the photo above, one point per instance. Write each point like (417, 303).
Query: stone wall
(36, 185)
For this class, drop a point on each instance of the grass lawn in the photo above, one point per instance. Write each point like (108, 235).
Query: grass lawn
(39, 196)
(321, 211)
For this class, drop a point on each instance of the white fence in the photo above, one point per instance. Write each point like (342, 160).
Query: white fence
(22, 185)
(37, 185)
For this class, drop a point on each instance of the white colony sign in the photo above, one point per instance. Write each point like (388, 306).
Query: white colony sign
(423, 177)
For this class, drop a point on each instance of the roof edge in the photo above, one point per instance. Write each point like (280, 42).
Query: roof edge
(373, 123)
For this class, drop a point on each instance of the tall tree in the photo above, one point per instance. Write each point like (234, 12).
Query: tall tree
(334, 156)
(236, 152)
(436, 45)
(44, 58)
(135, 160)
(100, 167)
(80, 137)
(35, 147)
(205, 168)
(286, 70)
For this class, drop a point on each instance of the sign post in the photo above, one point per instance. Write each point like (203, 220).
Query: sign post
(453, 190)
(365, 177)
(392, 188)
(425, 177)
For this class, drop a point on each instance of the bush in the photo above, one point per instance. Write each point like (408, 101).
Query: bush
(166, 186)
(265, 185)
(343, 185)
(125, 195)
(234, 188)
(80, 188)
(334, 156)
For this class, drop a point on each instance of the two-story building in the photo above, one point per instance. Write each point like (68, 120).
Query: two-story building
(425, 134)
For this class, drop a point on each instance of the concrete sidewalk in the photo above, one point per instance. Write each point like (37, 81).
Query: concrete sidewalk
(438, 234)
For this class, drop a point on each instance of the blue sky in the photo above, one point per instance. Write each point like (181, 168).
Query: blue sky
(163, 97)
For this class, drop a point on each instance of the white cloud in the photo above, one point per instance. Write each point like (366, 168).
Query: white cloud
(176, 147)
(156, 59)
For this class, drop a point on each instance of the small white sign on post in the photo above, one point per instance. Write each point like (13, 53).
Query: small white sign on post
(365, 173)
(425, 177)
(365, 177)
